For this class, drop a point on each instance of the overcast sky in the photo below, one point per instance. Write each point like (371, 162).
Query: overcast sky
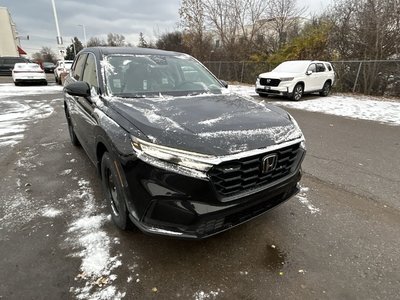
(128, 17)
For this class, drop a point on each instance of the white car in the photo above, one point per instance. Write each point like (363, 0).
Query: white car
(28, 72)
(62, 67)
(294, 78)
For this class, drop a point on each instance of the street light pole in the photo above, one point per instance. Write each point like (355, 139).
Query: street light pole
(59, 38)
(84, 33)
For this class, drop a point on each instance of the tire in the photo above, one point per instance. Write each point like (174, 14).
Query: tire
(263, 95)
(297, 92)
(326, 89)
(16, 83)
(72, 135)
(113, 192)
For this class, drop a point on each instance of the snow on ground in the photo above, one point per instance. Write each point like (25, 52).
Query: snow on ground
(364, 108)
(16, 116)
(92, 245)
(9, 90)
(302, 197)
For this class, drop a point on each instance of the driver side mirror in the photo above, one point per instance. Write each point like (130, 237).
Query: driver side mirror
(309, 72)
(224, 83)
(78, 88)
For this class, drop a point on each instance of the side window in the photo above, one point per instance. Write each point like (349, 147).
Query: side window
(329, 66)
(312, 68)
(78, 67)
(90, 74)
(320, 67)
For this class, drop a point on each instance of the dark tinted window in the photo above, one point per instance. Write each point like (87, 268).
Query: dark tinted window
(312, 68)
(90, 74)
(320, 68)
(329, 67)
(78, 67)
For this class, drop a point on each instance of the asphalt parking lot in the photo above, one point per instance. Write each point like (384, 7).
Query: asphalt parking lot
(338, 239)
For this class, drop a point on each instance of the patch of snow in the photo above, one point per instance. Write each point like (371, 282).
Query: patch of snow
(354, 107)
(9, 90)
(93, 246)
(302, 196)
(51, 212)
(15, 116)
(201, 295)
(66, 172)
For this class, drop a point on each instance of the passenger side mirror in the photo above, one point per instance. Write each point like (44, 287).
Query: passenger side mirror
(309, 72)
(78, 88)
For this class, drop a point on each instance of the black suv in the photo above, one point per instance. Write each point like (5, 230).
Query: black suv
(178, 154)
(7, 64)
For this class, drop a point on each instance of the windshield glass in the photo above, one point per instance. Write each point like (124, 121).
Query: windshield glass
(292, 67)
(157, 75)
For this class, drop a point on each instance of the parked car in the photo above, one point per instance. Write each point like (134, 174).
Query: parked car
(295, 78)
(7, 64)
(61, 69)
(28, 73)
(48, 67)
(178, 153)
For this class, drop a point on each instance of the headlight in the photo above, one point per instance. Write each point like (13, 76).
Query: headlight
(187, 159)
(303, 143)
(287, 78)
(258, 80)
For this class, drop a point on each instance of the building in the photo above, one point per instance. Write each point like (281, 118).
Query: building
(9, 40)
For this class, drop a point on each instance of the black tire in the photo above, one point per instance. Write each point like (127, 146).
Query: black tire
(16, 83)
(72, 135)
(44, 83)
(263, 95)
(326, 89)
(297, 92)
(113, 192)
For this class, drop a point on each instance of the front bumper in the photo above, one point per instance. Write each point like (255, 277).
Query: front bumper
(167, 203)
(284, 89)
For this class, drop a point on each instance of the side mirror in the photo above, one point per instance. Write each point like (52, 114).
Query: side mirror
(78, 88)
(309, 72)
(224, 83)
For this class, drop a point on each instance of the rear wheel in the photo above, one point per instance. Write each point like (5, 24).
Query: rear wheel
(297, 92)
(326, 89)
(113, 193)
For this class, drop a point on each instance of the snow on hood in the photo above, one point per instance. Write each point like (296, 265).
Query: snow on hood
(210, 124)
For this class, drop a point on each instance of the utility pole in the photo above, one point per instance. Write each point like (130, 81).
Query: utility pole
(84, 33)
(59, 38)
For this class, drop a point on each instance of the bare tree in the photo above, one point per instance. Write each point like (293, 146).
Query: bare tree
(116, 40)
(95, 42)
(284, 20)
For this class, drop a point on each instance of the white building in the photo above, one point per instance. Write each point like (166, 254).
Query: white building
(9, 41)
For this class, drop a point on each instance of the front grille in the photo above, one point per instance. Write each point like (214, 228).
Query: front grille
(237, 176)
(270, 81)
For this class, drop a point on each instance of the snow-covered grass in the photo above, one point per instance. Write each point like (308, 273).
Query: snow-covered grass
(355, 107)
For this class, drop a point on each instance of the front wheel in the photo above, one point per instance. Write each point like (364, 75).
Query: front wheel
(297, 92)
(326, 89)
(72, 135)
(113, 192)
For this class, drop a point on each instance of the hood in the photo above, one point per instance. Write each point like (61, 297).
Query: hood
(209, 124)
(278, 75)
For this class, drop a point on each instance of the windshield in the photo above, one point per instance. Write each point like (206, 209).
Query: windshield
(292, 67)
(157, 75)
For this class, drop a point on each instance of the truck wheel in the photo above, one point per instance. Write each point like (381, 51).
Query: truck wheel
(326, 89)
(297, 92)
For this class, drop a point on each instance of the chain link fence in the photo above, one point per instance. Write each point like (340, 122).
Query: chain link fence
(369, 77)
